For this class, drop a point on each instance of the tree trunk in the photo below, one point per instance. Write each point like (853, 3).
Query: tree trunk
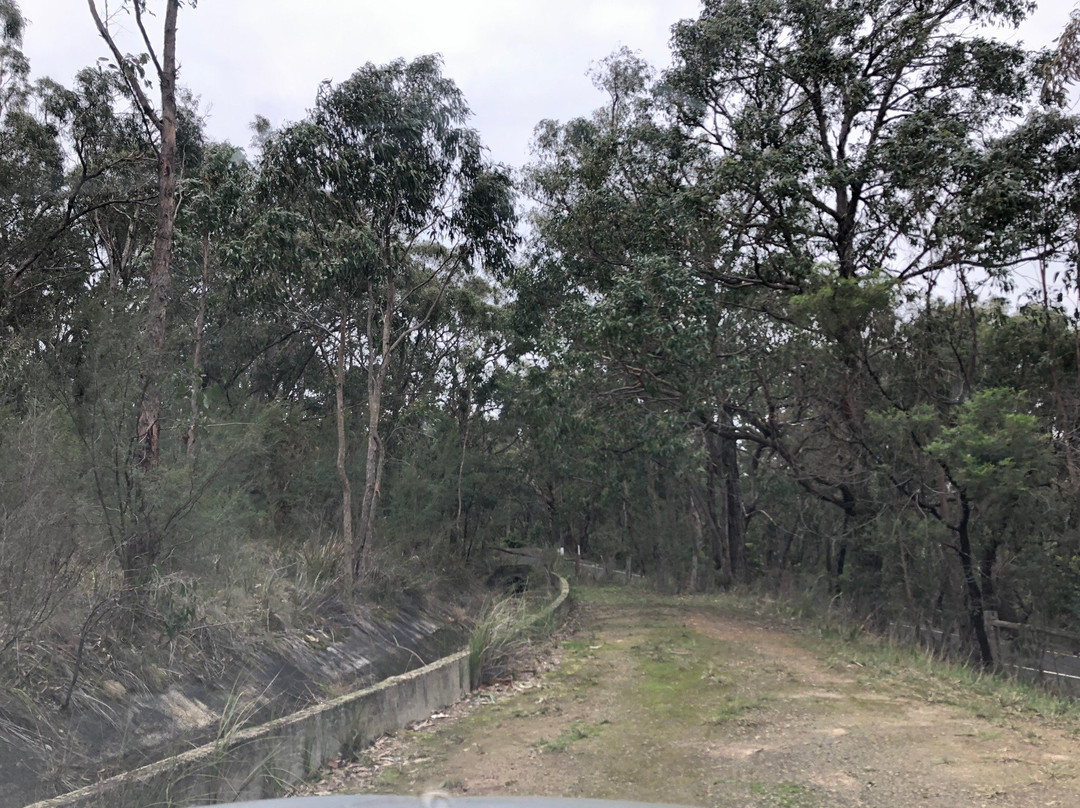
(845, 231)
(1065, 428)
(149, 429)
(986, 574)
(371, 474)
(973, 594)
(555, 533)
(378, 365)
(147, 449)
(697, 533)
(196, 360)
(342, 441)
(841, 561)
(716, 518)
(457, 534)
(836, 572)
(733, 505)
(138, 552)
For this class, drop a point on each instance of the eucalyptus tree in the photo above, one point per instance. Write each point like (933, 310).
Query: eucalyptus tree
(967, 445)
(868, 136)
(103, 349)
(211, 228)
(643, 246)
(878, 137)
(34, 195)
(163, 120)
(1063, 67)
(439, 389)
(452, 479)
(739, 239)
(868, 118)
(76, 176)
(14, 66)
(117, 172)
(388, 198)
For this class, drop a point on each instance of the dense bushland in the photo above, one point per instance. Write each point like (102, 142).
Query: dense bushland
(762, 321)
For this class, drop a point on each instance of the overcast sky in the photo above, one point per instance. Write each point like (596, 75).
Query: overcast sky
(517, 61)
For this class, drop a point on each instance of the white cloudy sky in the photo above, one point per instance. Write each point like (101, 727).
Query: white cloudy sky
(518, 61)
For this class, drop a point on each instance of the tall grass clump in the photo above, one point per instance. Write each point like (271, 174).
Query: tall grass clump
(503, 629)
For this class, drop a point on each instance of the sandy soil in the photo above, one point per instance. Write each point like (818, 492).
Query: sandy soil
(664, 700)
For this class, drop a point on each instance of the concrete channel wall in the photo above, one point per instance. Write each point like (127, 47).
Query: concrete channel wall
(261, 761)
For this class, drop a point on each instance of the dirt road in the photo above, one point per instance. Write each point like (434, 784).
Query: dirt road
(682, 701)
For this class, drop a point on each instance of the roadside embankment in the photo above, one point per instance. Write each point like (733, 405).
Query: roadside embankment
(260, 761)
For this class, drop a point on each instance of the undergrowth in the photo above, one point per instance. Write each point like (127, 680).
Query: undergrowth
(502, 631)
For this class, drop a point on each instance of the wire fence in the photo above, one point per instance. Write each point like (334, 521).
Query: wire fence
(1049, 657)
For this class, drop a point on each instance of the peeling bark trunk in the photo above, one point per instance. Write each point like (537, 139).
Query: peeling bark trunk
(148, 433)
(147, 448)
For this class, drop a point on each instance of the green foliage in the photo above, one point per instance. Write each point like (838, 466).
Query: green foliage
(366, 175)
(995, 447)
(751, 250)
(751, 332)
(178, 602)
(830, 304)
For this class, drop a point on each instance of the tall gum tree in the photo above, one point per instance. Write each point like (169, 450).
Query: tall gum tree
(162, 119)
(14, 67)
(212, 224)
(389, 198)
(880, 137)
(71, 165)
(640, 247)
(802, 169)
